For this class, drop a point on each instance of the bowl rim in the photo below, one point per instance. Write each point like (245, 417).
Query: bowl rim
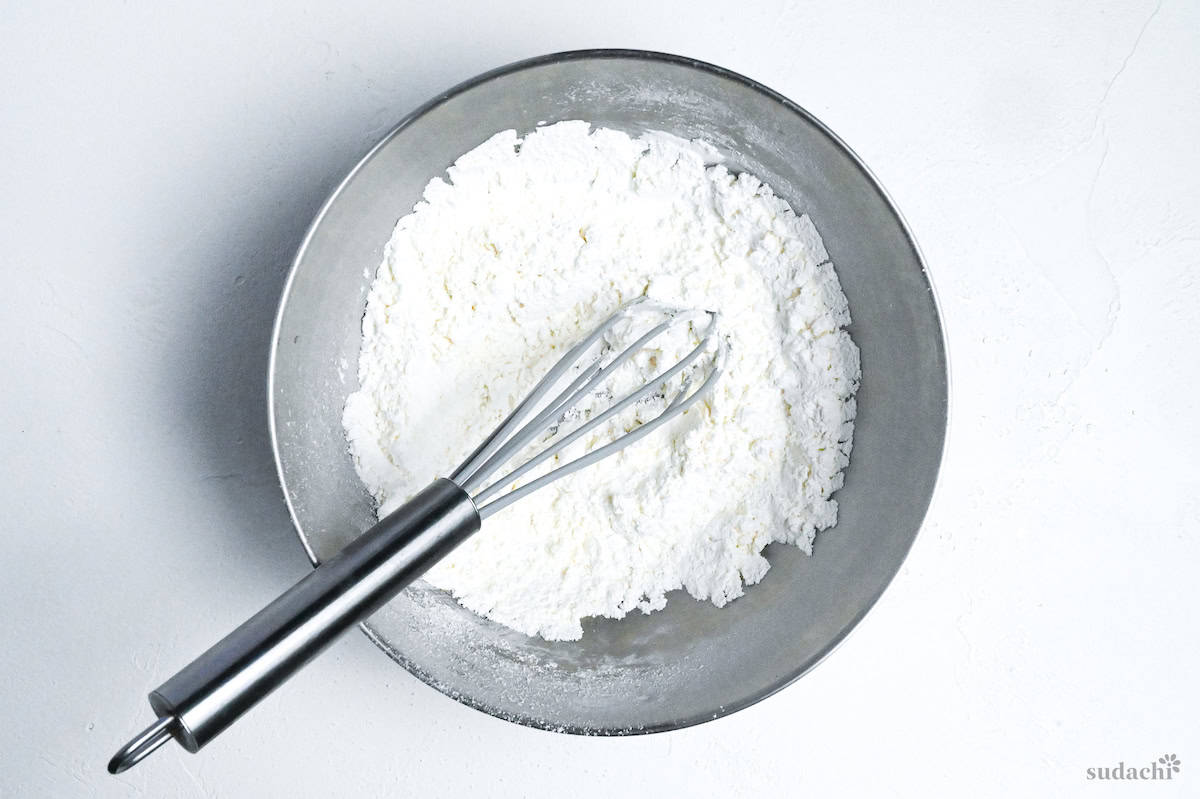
(642, 55)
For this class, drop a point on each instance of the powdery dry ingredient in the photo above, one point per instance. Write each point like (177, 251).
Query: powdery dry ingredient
(520, 252)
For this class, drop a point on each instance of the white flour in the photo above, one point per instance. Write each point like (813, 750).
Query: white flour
(527, 246)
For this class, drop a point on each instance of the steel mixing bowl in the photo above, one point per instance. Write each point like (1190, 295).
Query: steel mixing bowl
(692, 661)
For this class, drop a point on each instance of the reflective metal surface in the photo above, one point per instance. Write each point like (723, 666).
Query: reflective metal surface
(206, 696)
(692, 661)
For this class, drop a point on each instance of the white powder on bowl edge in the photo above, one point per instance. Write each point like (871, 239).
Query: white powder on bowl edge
(524, 248)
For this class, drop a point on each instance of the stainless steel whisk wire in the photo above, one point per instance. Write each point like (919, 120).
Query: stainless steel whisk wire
(215, 689)
(511, 438)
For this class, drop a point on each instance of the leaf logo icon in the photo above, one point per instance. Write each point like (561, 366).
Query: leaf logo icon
(1171, 762)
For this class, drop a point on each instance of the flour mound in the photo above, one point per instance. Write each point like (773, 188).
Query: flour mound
(524, 248)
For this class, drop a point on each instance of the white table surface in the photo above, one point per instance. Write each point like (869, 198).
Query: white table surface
(157, 168)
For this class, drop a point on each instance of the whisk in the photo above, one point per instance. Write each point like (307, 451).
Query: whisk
(213, 691)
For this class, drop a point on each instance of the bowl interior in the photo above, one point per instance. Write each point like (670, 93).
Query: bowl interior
(692, 661)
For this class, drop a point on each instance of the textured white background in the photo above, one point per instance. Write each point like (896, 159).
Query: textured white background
(157, 168)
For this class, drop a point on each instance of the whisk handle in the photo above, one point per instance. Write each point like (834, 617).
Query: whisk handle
(216, 688)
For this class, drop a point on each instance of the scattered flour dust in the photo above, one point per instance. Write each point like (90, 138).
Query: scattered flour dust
(525, 247)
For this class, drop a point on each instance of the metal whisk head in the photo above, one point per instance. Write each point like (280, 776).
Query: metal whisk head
(594, 363)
